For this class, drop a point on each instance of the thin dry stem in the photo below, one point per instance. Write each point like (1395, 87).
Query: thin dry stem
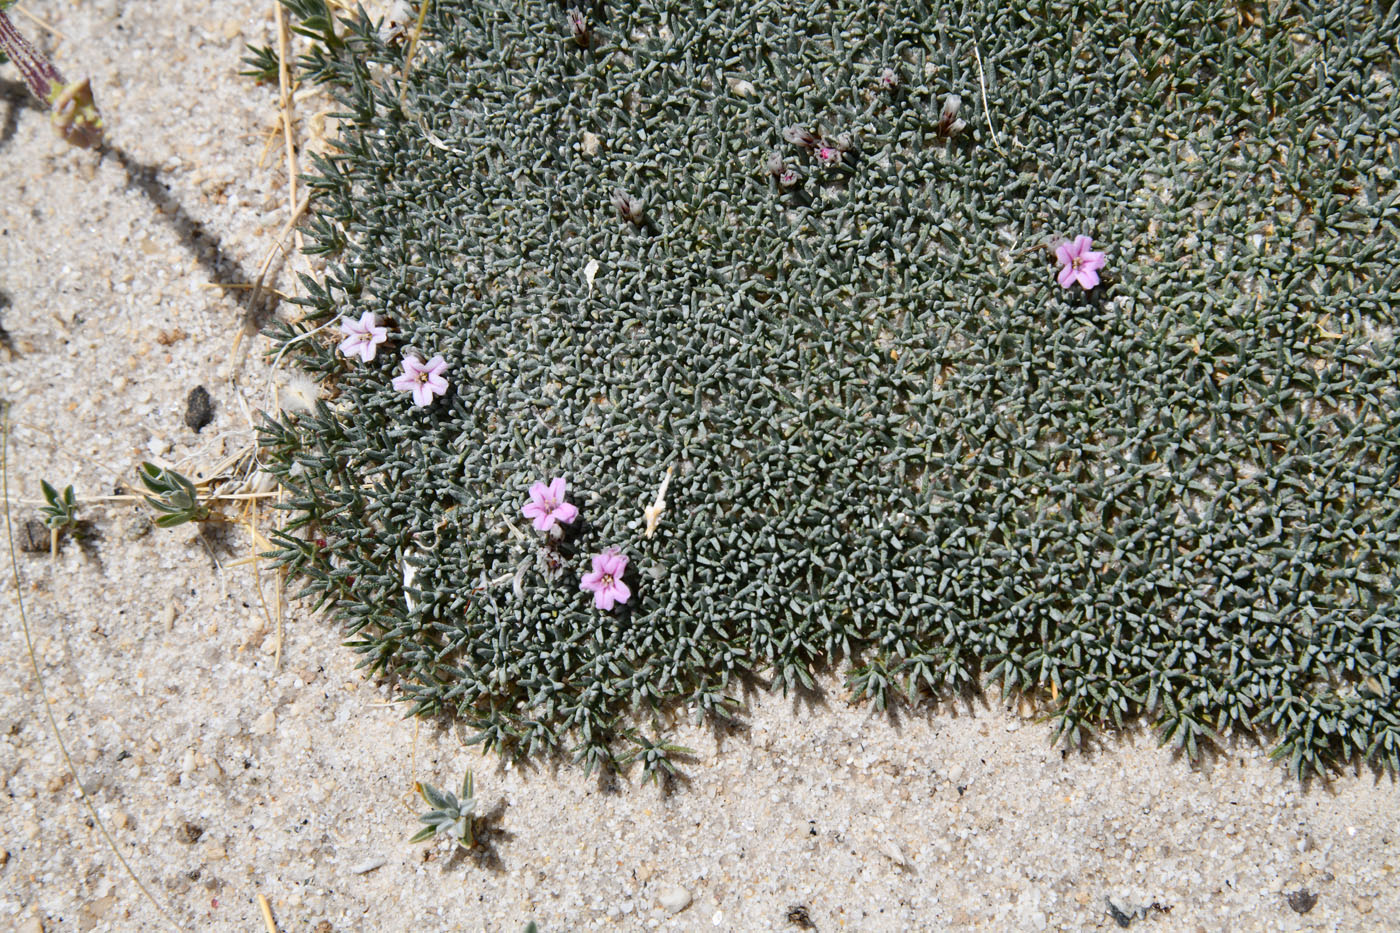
(266, 909)
(982, 83)
(39, 678)
(284, 81)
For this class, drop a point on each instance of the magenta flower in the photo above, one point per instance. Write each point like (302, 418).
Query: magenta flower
(547, 506)
(424, 380)
(828, 154)
(362, 337)
(605, 582)
(1082, 264)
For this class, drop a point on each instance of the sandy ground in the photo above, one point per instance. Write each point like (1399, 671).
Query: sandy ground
(223, 772)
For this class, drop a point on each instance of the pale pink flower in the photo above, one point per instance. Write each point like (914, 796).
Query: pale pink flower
(1081, 264)
(605, 582)
(547, 506)
(362, 337)
(424, 380)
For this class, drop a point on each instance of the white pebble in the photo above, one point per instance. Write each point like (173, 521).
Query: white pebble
(368, 866)
(674, 898)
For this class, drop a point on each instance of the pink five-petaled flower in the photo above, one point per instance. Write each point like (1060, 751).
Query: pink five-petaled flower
(362, 337)
(1081, 264)
(605, 582)
(547, 506)
(424, 380)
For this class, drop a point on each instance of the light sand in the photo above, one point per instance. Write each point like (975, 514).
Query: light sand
(222, 777)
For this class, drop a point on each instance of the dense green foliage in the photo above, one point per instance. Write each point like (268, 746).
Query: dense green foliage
(895, 438)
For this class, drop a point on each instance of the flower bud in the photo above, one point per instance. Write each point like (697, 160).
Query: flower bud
(578, 24)
(798, 136)
(628, 207)
(948, 123)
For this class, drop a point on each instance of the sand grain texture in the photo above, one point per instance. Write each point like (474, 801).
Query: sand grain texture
(223, 776)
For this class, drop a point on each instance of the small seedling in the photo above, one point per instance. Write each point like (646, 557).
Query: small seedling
(263, 64)
(60, 513)
(62, 509)
(449, 816)
(175, 498)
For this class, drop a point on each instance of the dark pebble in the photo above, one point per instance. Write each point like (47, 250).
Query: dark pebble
(199, 408)
(189, 833)
(1302, 900)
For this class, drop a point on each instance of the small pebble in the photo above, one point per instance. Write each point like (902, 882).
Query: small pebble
(674, 898)
(894, 852)
(368, 866)
(188, 832)
(32, 925)
(265, 723)
(199, 409)
(1302, 900)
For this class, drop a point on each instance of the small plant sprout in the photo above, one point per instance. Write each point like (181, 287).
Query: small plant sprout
(449, 816)
(74, 114)
(60, 513)
(362, 337)
(424, 380)
(655, 757)
(1081, 264)
(547, 507)
(175, 498)
(605, 580)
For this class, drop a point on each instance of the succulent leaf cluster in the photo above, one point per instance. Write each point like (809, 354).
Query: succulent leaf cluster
(892, 436)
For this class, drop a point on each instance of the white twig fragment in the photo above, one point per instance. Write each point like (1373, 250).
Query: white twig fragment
(590, 272)
(982, 83)
(653, 511)
(409, 573)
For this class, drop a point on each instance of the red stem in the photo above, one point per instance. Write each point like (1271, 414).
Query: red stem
(39, 73)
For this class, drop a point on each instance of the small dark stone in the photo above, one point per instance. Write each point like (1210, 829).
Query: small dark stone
(324, 927)
(199, 408)
(1302, 900)
(798, 916)
(189, 833)
(33, 537)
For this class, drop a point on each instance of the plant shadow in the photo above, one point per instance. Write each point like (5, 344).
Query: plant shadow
(224, 270)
